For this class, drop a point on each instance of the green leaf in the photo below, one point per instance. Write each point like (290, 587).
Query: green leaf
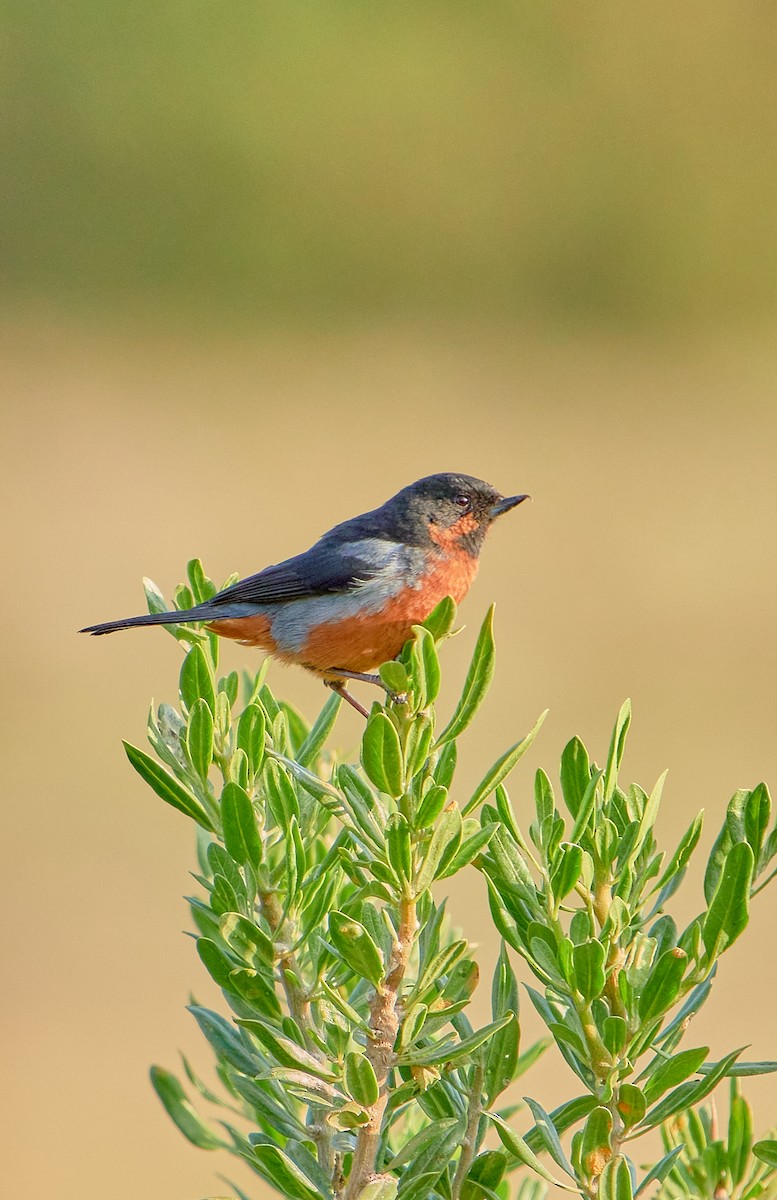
(281, 794)
(180, 1111)
(285, 1051)
(543, 1124)
(427, 1165)
(227, 1042)
(215, 963)
(566, 869)
(468, 850)
(502, 767)
(519, 1149)
(168, 788)
(415, 1145)
(575, 774)
(485, 1175)
(382, 754)
(196, 680)
(662, 985)
(431, 806)
(631, 1104)
(743, 1069)
(446, 765)
(360, 1079)
(679, 860)
(398, 846)
(426, 667)
(285, 1177)
(688, 1094)
(615, 1180)
(595, 1147)
(441, 619)
(453, 1052)
(563, 1118)
(758, 809)
(247, 940)
(444, 842)
(296, 861)
(199, 738)
(355, 946)
(673, 1071)
(202, 587)
(766, 1151)
(588, 959)
(587, 805)
(241, 834)
(728, 912)
(322, 727)
(479, 676)
(659, 1172)
(740, 1135)
(383, 1187)
(732, 831)
(502, 1053)
(617, 746)
(418, 744)
(615, 1033)
(433, 968)
(394, 676)
(251, 734)
(646, 823)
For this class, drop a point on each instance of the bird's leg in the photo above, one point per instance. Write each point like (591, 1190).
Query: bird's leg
(394, 697)
(338, 686)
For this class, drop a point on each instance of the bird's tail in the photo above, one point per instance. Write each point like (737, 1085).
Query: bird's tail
(201, 612)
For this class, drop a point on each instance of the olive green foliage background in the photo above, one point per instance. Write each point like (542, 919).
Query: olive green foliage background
(262, 265)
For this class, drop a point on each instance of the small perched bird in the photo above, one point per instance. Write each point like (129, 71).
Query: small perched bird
(349, 603)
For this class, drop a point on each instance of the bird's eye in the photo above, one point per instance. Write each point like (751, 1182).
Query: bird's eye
(461, 501)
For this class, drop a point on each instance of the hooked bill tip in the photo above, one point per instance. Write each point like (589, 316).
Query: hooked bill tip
(506, 503)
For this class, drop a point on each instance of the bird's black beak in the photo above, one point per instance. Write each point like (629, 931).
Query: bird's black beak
(505, 504)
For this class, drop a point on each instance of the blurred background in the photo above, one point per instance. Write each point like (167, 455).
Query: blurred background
(262, 266)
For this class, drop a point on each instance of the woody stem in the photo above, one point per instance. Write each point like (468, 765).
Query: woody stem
(384, 1024)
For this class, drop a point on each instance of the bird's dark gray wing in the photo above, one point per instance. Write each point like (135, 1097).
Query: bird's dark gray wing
(320, 571)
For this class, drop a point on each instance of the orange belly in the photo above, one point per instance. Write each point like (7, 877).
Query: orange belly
(363, 642)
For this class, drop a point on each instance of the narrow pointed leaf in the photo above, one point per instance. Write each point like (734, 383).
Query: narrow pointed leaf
(662, 985)
(690, 1093)
(382, 754)
(659, 1172)
(355, 946)
(281, 1172)
(517, 1146)
(241, 833)
(180, 1111)
(443, 845)
(323, 726)
(728, 913)
(476, 685)
(168, 788)
(615, 1180)
(251, 734)
(673, 1071)
(196, 680)
(543, 1123)
(199, 738)
(766, 1151)
(502, 767)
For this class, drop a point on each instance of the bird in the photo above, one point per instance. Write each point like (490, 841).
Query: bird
(349, 603)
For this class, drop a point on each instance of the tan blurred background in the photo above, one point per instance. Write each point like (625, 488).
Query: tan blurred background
(263, 265)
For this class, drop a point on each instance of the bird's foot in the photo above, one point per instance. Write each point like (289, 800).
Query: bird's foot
(364, 677)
